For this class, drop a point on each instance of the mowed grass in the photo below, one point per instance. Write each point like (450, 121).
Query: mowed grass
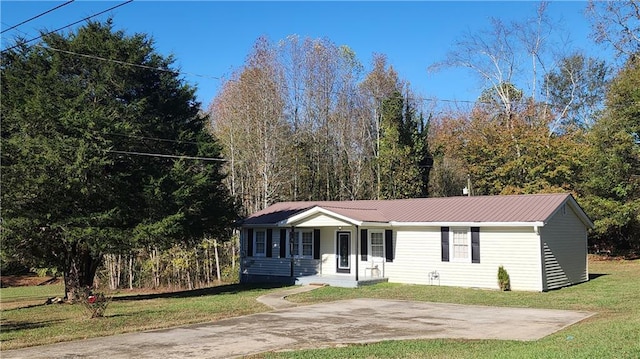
(613, 293)
(614, 332)
(37, 324)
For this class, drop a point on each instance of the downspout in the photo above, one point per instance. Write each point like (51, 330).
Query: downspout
(357, 251)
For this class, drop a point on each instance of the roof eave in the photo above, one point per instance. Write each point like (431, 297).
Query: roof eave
(467, 224)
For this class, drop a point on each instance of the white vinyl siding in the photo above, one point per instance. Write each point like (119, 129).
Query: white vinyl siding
(564, 250)
(516, 248)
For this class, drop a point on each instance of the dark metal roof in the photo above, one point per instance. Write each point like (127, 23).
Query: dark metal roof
(513, 208)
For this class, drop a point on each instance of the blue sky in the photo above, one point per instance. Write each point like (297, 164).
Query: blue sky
(210, 39)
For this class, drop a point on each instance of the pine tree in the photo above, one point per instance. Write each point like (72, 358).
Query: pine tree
(85, 116)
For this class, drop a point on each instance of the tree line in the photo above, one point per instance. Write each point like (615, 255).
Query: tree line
(299, 122)
(304, 119)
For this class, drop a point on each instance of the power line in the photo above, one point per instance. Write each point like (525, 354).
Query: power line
(37, 16)
(169, 156)
(127, 63)
(66, 26)
(148, 154)
(150, 138)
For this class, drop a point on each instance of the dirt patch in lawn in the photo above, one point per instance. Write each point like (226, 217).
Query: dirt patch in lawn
(26, 280)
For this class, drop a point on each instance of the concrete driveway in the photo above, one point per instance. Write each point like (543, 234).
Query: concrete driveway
(318, 325)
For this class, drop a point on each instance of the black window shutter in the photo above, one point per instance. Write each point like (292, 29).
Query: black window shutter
(444, 243)
(475, 244)
(269, 242)
(388, 244)
(283, 243)
(364, 249)
(316, 244)
(250, 242)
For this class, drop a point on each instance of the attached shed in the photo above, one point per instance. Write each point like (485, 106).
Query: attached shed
(541, 240)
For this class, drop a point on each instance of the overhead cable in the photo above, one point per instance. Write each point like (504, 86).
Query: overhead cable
(37, 16)
(169, 156)
(127, 63)
(66, 26)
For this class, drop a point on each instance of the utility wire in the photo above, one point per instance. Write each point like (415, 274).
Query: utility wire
(37, 16)
(150, 138)
(169, 156)
(66, 26)
(148, 154)
(127, 63)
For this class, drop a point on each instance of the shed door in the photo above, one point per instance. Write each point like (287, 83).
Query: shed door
(343, 245)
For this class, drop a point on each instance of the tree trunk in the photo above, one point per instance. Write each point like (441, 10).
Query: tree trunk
(233, 250)
(131, 271)
(154, 256)
(207, 263)
(110, 263)
(215, 252)
(79, 273)
(196, 280)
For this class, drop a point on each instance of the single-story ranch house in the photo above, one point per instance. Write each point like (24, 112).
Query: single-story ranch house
(541, 240)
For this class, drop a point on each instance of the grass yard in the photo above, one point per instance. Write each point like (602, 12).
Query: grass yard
(613, 292)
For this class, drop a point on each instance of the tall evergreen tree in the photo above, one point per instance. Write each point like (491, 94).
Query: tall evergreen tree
(87, 119)
(403, 157)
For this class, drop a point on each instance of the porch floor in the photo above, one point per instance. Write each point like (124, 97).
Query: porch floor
(339, 280)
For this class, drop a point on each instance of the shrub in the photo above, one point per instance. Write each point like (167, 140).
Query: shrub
(504, 282)
(96, 304)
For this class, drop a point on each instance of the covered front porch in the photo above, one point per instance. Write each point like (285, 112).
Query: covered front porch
(317, 246)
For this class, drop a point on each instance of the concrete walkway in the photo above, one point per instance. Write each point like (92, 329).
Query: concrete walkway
(317, 325)
(277, 300)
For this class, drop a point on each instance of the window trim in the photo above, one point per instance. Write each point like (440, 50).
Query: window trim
(452, 245)
(370, 243)
(298, 240)
(255, 243)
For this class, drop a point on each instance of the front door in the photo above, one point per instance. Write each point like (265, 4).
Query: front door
(343, 246)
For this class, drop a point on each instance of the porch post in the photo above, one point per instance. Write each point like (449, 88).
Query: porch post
(291, 238)
(357, 256)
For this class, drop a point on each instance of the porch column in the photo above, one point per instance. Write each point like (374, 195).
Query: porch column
(292, 234)
(357, 256)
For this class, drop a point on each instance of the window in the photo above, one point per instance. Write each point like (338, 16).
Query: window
(460, 244)
(303, 244)
(307, 244)
(461, 248)
(261, 243)
(377, 244)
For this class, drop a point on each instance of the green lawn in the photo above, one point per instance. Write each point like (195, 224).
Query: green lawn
(613, 293)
